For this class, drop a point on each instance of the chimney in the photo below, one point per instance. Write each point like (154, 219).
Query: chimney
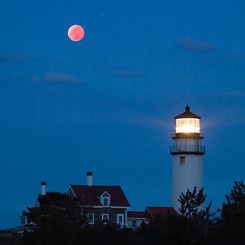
(43, 188)
(89, 178)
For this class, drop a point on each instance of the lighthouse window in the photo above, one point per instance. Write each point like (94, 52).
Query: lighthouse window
(182, 159)
(187, 125)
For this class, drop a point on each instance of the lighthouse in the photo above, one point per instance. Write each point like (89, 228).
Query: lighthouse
(187, 151)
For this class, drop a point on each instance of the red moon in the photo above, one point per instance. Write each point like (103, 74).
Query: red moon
(76, 33)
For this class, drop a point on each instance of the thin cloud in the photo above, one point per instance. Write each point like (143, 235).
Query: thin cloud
(195, 45)
(231, 116)
(60, 77)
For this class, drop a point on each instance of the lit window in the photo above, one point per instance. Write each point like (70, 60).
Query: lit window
(187, 125)
(90, 218)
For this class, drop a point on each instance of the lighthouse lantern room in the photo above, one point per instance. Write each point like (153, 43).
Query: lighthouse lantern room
(187, 152)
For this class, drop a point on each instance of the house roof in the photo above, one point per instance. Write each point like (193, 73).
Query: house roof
(136, 214)
(90, 195)
(152, 211)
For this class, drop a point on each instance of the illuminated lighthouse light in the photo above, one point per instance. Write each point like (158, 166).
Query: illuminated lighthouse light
(187, 151)
(187, 125)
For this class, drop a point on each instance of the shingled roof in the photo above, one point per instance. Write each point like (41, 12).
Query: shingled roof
(90, 195)
(136, 214)
(163, 211)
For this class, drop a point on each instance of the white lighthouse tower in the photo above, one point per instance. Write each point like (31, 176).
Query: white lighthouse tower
(187, 151)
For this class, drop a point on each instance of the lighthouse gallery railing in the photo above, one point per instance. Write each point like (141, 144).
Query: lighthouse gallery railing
(195, 149)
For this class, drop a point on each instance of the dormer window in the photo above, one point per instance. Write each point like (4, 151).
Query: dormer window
(105, 199)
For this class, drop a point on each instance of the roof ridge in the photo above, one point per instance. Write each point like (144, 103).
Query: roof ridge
(96, 185)
(159, 207)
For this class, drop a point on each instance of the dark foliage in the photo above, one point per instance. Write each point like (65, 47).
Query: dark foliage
(5, 240)
(191, 204)
(231, 227)
(233, 210)
(58, 220)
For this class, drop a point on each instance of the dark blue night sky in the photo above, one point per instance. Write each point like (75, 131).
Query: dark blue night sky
(107, 103)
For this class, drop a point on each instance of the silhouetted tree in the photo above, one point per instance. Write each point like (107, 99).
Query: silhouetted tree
(234, 207)
(231, 227)
(198, 217)
(172, 230)
(191, 204)
(56, 219)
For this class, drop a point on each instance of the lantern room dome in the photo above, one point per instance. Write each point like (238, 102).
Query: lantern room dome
(187, 114)
(187, 122)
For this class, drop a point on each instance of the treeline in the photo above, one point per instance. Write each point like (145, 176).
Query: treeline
(58, 221)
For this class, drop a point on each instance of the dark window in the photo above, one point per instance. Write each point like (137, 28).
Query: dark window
(120, 219)
(182, 159)
(105, 218)
(90, 218)
(134, 224)
(105, 201)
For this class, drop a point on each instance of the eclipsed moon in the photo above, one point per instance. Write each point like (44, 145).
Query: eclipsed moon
(76, 33)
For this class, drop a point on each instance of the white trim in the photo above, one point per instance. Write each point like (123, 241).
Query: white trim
(130, 218)
(23, 220)
(121, 207)
(107, 219)
(105, 196)
(72, 192)
(92, 222)
(147, 210)
(126, 217)
(105, 201)
(123, 219)
(105, 192)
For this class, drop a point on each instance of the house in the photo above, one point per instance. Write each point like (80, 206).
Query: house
(102, 203)
(136, 218)
(25, 224)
